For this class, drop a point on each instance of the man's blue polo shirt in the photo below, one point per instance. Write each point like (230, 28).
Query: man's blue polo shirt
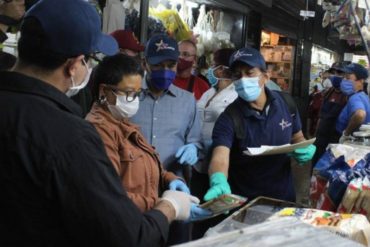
(254, 176)
(358, 101)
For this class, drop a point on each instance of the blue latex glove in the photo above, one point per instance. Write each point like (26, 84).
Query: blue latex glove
(179, 185)
(219, 186)
(198, 213)
(303, 155)
(188, 154)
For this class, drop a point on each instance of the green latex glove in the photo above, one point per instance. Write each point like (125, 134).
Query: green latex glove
(303, 155)
(219, 186)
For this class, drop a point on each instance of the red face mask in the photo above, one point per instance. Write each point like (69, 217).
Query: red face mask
(182, 64)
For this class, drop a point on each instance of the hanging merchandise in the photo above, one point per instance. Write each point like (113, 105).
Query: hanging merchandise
(171, 20)
(213, 29)
(350, 19)
(113, 16)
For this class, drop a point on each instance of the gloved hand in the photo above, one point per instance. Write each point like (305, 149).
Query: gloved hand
(345, 138)
(179, 185)
(219, 186)
(188, 154)
(198, 213)
(303, 155)
(181, 202)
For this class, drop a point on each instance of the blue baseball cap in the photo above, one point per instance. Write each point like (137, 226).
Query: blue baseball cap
(72, 27)
(160, 48)
(357, 69)
(249, 56)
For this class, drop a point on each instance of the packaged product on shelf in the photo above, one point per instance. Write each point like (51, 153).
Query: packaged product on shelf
(351, 196)
(363, 203)
(352, 226)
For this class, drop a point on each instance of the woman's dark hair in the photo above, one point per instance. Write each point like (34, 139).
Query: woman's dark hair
(111, 70)
(31, 47)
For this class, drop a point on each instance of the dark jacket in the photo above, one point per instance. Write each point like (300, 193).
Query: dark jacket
(57, 185)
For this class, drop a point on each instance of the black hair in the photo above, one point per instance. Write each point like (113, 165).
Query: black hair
(7, 61)
(111, 70)
(32, 47)
(240, 63)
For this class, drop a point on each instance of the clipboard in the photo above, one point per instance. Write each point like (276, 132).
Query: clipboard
(282, 149)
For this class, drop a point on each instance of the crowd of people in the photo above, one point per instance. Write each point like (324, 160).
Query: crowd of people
(148, 139)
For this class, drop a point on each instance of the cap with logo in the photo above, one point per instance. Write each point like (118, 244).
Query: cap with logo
(249, 56)
(160, 48)
(357, 69)
(72, 27)
(127, 40)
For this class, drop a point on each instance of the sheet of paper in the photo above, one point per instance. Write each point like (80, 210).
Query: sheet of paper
(270, 150)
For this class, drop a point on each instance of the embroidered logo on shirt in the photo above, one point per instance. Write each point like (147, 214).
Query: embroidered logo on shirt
(163, 46)
(284, 124)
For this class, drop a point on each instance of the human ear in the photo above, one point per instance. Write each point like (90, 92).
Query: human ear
(72, 65)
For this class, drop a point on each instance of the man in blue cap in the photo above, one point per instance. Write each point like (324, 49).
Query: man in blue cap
(168, 116)
(357, 110)
(257, 117)
(57, 185)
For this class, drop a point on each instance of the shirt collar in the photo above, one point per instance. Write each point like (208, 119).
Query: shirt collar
(20, 83)
(249, 111)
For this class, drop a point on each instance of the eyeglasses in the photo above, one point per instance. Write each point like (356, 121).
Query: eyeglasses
(130, 94)
(93, 57)
(186, 54)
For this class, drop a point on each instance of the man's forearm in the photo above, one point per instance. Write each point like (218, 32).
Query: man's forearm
(355, 122)
(220, 161)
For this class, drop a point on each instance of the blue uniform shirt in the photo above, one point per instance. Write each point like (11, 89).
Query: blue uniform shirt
(168, 123)
(358, 101)
(259, 175)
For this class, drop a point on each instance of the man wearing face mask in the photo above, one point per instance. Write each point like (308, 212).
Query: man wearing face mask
(168, 115)
(333, 102)
(184, 77)
(257, 117)
(57, 184)
(357, 109)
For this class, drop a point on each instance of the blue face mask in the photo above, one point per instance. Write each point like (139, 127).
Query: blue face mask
(212, 79)
(346, 86)
(336, 80)
(162, 79)
(248, 88)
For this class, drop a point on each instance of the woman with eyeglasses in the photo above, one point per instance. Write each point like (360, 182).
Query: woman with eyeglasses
(117, 87)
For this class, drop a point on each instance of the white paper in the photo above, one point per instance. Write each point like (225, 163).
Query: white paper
(362, 4)
(270, 150)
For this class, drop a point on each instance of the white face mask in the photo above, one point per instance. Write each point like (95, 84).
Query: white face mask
(123, 108)
(76, 88)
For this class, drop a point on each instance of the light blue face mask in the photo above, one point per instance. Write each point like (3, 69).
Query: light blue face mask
(212, 79)
(346, 86)
(248, 88)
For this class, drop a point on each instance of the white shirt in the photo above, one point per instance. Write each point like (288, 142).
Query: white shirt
(327, 83)
(208, 116)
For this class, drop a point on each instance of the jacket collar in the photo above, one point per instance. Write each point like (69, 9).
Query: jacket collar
(20, 83)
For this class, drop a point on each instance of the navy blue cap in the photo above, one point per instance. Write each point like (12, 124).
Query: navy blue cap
(338, 66)
(357, 69)
(249, 56)
(72, 27)
(160, 48)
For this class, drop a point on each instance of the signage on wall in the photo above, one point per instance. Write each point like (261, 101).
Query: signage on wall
(307, 13)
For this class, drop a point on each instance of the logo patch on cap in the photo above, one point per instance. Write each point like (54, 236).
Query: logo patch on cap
(239, 54)
(163, 46)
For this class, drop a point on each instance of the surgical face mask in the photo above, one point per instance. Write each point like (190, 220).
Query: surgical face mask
(212, 79)
(162, 79)
(248, 88)
(72, 91)
(123, 108)
(336, 80)
(183, 64)
(346, 86)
